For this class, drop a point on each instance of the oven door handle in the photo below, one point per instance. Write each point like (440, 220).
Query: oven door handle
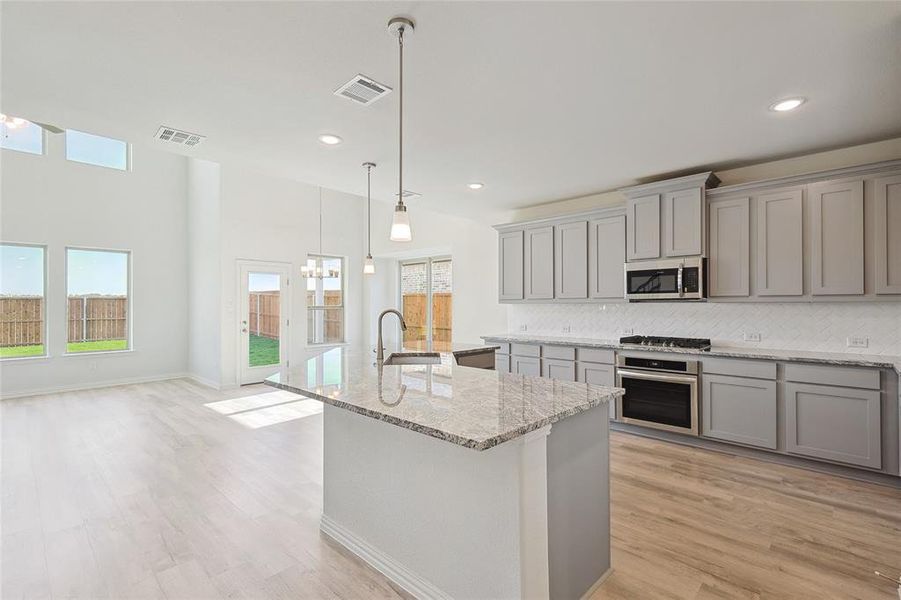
(689, 379)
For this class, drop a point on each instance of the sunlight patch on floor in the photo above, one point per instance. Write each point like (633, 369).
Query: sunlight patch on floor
(261, 410)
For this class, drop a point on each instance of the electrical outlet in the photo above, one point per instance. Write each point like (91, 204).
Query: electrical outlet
(523, 327)
(628, 331)
(567, 329)
(751, 336)
(858, 341)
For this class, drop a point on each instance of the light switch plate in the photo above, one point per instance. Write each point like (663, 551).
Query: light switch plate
(567, 329)
(523, 327)
(751, 336)
(858, 341)
(628, 331)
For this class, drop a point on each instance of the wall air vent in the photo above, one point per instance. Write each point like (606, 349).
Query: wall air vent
(363, 90)
(177, 136)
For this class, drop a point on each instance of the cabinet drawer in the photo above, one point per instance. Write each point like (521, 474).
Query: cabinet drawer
(596, 355)
(564, 370)
(737, 409)
(832, 375)
(760, 369)
(525, 350)
(558, 352)
(504, 347)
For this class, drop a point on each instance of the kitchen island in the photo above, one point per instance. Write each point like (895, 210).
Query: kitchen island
(462, 482)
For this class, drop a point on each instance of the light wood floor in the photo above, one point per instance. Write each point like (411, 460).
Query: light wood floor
(144, 492)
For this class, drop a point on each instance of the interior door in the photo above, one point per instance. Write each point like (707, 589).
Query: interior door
(263, 319)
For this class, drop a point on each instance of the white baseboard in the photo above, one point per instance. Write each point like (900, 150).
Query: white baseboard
(594, 586)
(89, 386)
(204, 381)
(384, 564)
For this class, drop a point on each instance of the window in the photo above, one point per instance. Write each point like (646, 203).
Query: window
(426, 296)
(97, 290)
(22, 325)
(19, 134)
(96, 150)
(325, 300)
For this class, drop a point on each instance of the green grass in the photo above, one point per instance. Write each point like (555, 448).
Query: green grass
(20, 351)
(98, 346)
(263, 351)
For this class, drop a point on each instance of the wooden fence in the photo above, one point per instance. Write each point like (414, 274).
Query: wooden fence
(264, 314)
(21, 320)
(415, 309)
(333, 320)
(90, 318)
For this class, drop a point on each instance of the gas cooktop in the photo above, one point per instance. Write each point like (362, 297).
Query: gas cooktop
(666, 342)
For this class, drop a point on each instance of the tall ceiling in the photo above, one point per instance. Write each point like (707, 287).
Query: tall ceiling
(538, 100)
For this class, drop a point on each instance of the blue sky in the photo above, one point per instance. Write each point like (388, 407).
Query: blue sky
(96, 150)
(21, 270)
(97, 272)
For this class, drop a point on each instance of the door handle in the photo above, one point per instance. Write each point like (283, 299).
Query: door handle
(243, 330)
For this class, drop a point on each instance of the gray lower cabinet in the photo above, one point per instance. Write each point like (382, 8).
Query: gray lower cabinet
(887, 235)
(739, 409)
(836, 238)
(539, 263)
(729, 263)
(834, 423)
(643, 227)
(683, 222)
(525, 365)
(606, 256)
(552, 368)
(595, 374)
(780, 235)
(510, 265)
(502, 363)
(571, 260)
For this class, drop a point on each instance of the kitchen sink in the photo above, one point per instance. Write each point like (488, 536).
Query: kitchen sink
(413, 358)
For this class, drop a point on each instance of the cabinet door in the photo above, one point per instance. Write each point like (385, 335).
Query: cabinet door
(510, 265)
(571, 260)
(683, 222)
(539, 263)
(738, 409)
(502, 363)
(730, 228)
(834, 423)
(525, 365)
(888, 235)
(598, 375)
(643, 227)
(836, 234)
(564, 370)
(780, 235)
(606, 257)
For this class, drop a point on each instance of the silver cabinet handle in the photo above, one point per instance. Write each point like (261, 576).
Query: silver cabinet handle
(679, 280)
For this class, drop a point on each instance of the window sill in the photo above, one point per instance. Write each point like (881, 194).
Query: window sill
(327, 345)
(99, 352)
(14, 359)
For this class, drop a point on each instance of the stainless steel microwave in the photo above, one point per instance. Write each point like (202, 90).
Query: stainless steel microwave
(671, 279)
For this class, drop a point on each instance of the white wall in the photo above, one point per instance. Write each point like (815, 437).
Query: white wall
(48, 200)
(277, 220)
(204, 274)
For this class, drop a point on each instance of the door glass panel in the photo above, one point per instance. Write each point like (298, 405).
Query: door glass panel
(442, 287)
(657, 401)
(263, 319)
(414, 303)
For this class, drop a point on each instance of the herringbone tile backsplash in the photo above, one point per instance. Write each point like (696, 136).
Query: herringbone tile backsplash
(822, 326)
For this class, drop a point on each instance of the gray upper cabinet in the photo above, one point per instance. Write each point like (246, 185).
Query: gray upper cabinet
(606, 256)
(834, 423)
(510, 265)
(539, 263)
(739, 409)
(836, 238)
(730, 230)
(571, 260)
(643, 227)
(887, 235)
(780, 227)
(683, 222)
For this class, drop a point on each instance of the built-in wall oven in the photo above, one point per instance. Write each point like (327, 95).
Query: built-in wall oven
(672, 279)
(660, 393)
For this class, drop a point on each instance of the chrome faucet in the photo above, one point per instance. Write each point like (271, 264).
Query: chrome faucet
(380, 352)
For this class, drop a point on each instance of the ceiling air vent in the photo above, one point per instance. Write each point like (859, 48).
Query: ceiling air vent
(177, 136)
(363, 90)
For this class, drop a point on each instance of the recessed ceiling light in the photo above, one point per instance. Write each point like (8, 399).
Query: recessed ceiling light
(476, 186)
(787, 104)
(330, 139)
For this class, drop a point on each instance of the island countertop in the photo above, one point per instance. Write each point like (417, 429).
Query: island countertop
(472, 407)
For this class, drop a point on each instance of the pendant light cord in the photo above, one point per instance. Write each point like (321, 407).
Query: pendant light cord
(320, 222)
(369, 209)
(400, 128)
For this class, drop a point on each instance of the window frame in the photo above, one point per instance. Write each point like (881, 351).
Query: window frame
(128, 151)
(129, 305)
(323, 307)
(427, 260)
(44, 140)
(46, 328)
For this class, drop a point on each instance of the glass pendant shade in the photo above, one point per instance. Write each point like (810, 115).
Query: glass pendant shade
(368, 265)
(400, 225)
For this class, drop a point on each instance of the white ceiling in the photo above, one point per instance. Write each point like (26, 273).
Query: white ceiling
(539, 100)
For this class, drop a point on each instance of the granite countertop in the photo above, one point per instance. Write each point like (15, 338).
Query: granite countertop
(471, 407)
(831, 358)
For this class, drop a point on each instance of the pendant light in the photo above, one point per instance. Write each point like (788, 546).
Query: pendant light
(400, 225)
(368, 264)
(315, 270)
